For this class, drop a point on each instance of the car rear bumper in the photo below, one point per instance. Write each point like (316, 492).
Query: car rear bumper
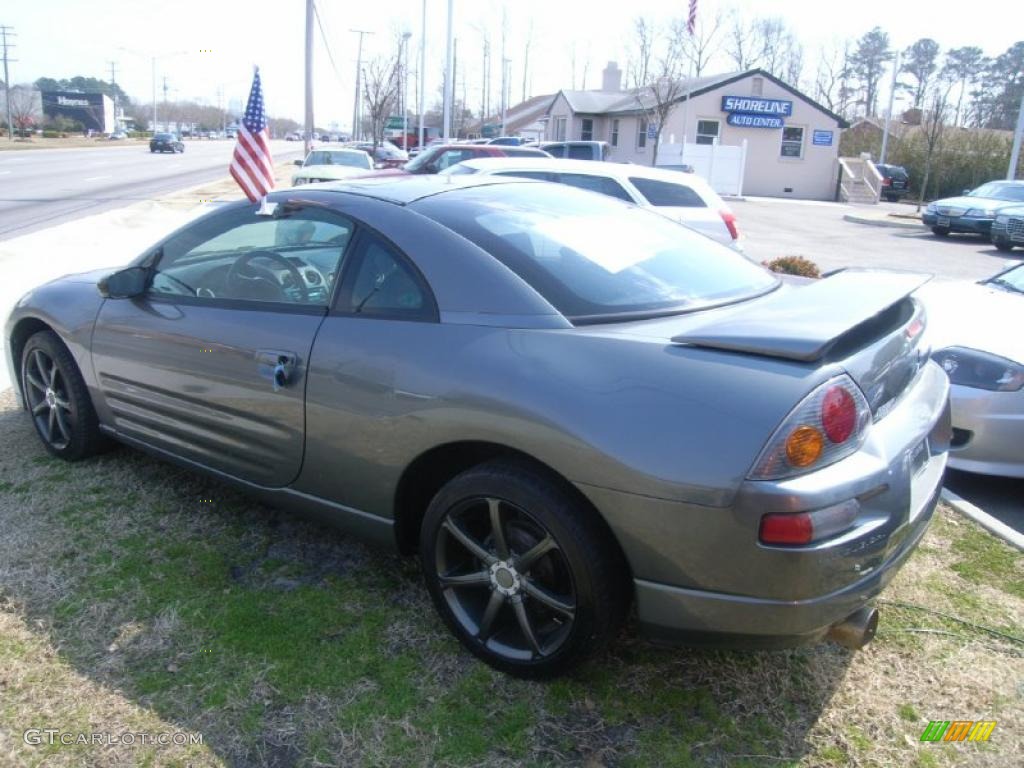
(702, 571)
(988, 431)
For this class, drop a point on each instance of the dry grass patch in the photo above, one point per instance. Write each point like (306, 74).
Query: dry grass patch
(127, 603)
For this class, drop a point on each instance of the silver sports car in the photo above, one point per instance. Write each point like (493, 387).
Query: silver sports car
(570, 407)
(976, 333)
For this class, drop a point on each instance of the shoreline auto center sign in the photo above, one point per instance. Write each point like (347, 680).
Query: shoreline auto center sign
(753, 112)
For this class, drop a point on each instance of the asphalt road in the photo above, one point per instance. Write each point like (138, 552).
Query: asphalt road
(44, 187)
(818, 232)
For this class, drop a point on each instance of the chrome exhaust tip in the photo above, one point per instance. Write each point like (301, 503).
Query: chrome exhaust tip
(856, 630)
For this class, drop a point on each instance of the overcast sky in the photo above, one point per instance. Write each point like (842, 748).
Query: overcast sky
(63, 38)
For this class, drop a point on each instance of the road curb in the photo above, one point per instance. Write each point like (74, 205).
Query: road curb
(876, 221)
(982, 518)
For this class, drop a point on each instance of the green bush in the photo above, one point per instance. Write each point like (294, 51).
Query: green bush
(793, 265)
(51, 134)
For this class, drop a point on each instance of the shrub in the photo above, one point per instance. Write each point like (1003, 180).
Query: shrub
(51, 134)
(793, 265)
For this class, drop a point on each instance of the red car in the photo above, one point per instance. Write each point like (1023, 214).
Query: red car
(437, 158)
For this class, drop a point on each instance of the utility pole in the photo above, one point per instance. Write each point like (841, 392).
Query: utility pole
(1011, 172)
(483, 94)
(356, 112)
(405, 93)
(423, 69)
(307, 133)
(888, 115)
(455, 82)
(449, 92)
(113, 81)
(6, 32)
(506, 72)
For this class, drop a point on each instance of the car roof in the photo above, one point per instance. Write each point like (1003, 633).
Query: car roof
(400, 189)
(590, 167)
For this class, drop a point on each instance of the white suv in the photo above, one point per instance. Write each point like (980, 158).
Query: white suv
(681, 196)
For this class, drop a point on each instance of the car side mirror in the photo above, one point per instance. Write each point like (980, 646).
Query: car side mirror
(124, 284)
(298, 162)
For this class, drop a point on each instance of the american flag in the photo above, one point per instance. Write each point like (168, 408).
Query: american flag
(251, 165)
(691, 20)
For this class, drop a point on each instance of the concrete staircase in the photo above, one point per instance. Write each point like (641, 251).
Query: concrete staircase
(859, 181)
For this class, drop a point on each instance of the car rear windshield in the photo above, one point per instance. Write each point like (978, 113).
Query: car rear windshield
(1000, 191)
(594, 258)
(667, 194)
(164, 137)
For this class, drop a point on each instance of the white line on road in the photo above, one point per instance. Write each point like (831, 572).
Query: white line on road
(97, 178)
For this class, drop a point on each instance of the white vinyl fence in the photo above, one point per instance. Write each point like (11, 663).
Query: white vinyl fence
(721, 165)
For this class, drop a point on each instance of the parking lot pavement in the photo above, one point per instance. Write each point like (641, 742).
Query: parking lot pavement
(817, 231)
(1001, 497)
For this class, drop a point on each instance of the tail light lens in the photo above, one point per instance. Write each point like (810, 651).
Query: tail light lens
(886, 182)
(808, 527)
(730, 222)
(827, 425)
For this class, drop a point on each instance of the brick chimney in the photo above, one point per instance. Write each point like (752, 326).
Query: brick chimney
(611, 77)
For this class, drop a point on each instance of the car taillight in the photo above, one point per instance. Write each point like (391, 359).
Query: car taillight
(730, 222)
(886, 182)
(828, 425)
(795, 528)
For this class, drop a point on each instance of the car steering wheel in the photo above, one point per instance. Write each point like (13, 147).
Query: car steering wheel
(244, 273)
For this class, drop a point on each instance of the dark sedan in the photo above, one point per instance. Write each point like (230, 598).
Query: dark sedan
(1008, 228)
(566, 404)
(974, 211)
(166, 142)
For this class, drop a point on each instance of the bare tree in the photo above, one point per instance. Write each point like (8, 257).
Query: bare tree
(380, 93)
(777, 49)
(526, 57)
(831, 83)
(705, 42)
(741, 41)
(933, 124)
(24, 106)
(657, 77)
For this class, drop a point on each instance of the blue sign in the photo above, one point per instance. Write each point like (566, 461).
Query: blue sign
(822, 138)
(753, 105)
(743, 120)
(652, 131)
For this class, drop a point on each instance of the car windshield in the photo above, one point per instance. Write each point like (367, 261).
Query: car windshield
(354, 159)
(1000, 191)
(1013, 280)
(597, 259)
(422, 160)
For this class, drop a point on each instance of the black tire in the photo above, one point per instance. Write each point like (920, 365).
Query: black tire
(940, 231)
(892, 198)
(566, 604)
(58, 399)
(1003, 245)
(151, 150)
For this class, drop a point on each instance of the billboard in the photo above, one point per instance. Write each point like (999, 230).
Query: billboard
(94, 111)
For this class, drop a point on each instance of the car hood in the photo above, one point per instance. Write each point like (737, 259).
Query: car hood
(986, 203)
(330, 171)
(974, 315)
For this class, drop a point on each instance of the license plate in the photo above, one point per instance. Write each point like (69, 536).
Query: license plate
(942, 221)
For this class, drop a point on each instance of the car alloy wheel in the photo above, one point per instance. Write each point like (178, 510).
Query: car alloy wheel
(941, 231)
(58, 400)
(522, 570)
(505, 579)
(47, 396)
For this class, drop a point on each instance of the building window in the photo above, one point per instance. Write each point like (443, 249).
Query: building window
(757, 89)
(615, 133)
(559, 129)
(641, 133)
(792, 141)
(707, 131)
(587, 129)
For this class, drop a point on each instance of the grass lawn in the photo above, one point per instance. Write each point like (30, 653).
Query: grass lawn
(137, 597)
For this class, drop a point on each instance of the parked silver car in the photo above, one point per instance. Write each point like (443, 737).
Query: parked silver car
(566, 404)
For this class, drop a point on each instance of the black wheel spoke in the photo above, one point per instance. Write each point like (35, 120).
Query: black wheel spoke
(552, 601)
(34, 381)
(525, 561)
(465, 540)
(62, 424)
(497, 532)
(39, 408)
(466, 580)
(51, 422)
(491, 612)
(63, 404)
(524, 625)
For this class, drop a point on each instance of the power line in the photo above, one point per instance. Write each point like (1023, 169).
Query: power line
(323, 36)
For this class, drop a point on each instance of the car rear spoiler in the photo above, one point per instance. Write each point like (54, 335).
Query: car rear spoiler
(804, 322)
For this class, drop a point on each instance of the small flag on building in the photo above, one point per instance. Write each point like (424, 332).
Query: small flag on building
(251, 165)
(691, 19)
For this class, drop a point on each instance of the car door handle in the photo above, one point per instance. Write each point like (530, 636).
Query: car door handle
(279, 366)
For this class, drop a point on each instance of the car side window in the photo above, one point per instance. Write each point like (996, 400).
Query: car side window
(290, 259)
(667, 194)
(452, 157)
(581, 152)
(601, 184)
(384, 284)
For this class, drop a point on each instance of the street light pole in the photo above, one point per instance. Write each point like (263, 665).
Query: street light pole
(405, 95)
(888, 116)
(356, 115)
(449, 91)
(423, 68)
(1011, 172)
